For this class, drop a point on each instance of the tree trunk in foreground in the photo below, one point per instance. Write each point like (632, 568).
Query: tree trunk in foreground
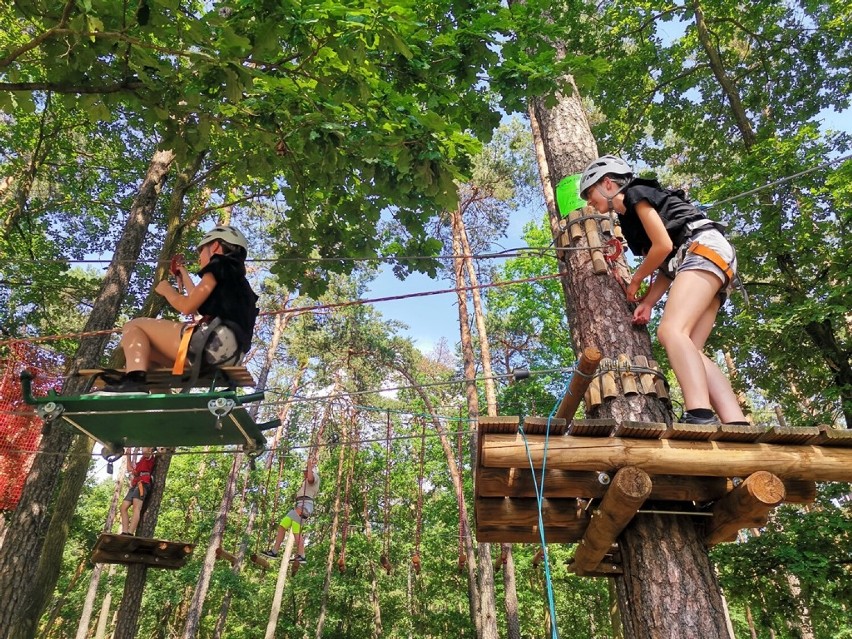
(134, 583)
(30, 558)
(669, 588)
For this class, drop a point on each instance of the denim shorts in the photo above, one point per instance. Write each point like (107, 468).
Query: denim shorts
(714, 240)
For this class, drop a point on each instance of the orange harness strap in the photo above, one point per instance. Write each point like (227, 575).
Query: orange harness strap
(713, 256)
(183, 350)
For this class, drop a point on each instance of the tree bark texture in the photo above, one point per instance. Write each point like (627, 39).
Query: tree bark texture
(134, 582)
(669, 581)
(30, 558)
(656, 548)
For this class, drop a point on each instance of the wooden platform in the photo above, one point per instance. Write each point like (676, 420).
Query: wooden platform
(126, 549)
(160, 378)
(601, 473)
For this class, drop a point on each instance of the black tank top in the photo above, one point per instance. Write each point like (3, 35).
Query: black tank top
(233, 300)
(672, 207)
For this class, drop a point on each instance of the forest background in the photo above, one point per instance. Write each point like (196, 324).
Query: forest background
(343, 137)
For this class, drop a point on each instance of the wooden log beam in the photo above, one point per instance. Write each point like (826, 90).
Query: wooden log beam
(747, 506)
(628, 491)
(224, 555)
(586, 367)
(524, 512)
(527, 535)
(671, 457)
(567, 484)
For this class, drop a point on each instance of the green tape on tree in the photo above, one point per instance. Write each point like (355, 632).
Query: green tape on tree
(568, 194)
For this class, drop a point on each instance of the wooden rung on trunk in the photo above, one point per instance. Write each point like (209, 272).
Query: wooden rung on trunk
(646, 380)
(629, 383)
(224, 555)
(593, 237)
(660, 385)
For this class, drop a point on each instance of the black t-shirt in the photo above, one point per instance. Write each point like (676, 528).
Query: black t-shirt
(233, 300)
(672, 207)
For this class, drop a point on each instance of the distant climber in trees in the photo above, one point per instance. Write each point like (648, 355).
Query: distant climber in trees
(691, 256)
(141, 475)
(225, 300)
(301, 511)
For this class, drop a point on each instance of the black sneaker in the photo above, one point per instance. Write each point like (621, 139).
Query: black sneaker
(689, 418)
(300, 558)
(270, 553)
(127, 534)
(124, 387)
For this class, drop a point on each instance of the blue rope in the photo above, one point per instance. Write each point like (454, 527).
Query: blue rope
(539, 494)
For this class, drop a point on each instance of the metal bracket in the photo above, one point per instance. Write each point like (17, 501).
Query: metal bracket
(49, 411)
(220, 407)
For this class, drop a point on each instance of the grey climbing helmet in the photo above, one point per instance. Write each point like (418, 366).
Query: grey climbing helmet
(226, 234)
(604, 165)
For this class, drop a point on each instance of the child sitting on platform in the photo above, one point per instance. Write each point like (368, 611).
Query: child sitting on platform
(223, 297)
(141, 470)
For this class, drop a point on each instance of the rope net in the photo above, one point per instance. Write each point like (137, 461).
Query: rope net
(20, 430)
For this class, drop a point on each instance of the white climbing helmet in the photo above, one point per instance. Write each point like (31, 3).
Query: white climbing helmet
(604, 165)
(225, 233)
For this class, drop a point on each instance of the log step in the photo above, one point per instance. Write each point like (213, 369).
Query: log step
(538, 426)
(640, 430)
(789, 435)
(592, 427)
(499, 424)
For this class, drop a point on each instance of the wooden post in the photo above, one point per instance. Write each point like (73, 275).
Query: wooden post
(628, 491)
(646, 380)
(747, 506)
(662, 393)
(593, 237)
(573, 228)
(628, 378)
(224, 555)
(672, 457)
(580, 381)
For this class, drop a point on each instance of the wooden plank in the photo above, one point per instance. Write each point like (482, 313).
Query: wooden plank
(592, 427)
(832, 437)
(126, 549)
(162, 377)
(789, 435)
(528, 535)
(498, 512)
(507, 424)
(538, 425)
(737, 433)
(604, 569)
(692, 432)
(672, 457)
(644, 430)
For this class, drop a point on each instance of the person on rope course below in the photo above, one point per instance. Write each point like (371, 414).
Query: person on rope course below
(692, 258)
(140, 485)
(301, 511)
(223, 297)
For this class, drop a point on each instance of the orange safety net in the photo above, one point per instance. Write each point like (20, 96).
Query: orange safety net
(20, 428)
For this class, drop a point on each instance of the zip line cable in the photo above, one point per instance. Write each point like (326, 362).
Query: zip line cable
(308, 309)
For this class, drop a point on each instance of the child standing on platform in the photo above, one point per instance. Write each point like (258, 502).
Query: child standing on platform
(692, 258)
(141, 471)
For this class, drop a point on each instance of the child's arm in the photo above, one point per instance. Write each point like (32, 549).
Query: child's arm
(661, 246)
(188, 304)
(131, 465)
(642, 313)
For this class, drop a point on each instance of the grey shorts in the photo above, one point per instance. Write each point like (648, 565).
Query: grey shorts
(712, 239)
(133, 493)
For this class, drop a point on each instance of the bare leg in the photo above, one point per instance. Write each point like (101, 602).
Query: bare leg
(137, 513)
(688, 317)
(279, 538)
(146, 339)
(300, 541)
(125, 506)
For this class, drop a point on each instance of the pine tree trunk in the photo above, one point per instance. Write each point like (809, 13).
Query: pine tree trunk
(94, 580)
(30, 558)
(335, 521)
(193, 619)
(134, 583)
(219, 629)
(666, 567)
(486, 613)
(106, 604)
(513, 624)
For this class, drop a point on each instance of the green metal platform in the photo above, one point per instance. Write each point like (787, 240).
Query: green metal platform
(165, 420)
